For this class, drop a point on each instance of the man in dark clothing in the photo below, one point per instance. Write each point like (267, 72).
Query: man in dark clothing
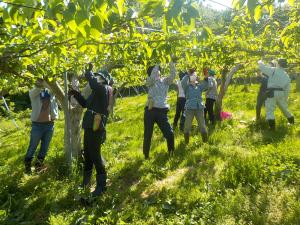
(157, 108)
(180, 104)
(94, 122)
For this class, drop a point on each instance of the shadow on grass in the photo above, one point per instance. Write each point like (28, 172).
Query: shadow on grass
(31, 199)
(268, 136)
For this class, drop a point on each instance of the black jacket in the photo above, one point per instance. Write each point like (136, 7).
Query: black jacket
(97, 102)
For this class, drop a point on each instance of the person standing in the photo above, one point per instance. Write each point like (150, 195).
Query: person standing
(94, 122)
(156, 110)
(194, 106)
(44, 112)
(278, 88)
(211, 96)
(180, 104)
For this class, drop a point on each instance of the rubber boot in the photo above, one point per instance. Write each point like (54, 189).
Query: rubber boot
(170, 143)
(27, 166)
(101, 185)
(204, 137)
(187, 138)
(39, 165)
(87, 174)
(271, 124)
(291, 120)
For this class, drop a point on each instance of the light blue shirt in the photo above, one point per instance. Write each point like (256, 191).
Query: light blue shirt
(212, 91)
(193, 93)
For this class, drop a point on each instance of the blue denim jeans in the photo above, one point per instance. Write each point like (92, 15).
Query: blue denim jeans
(40, 132)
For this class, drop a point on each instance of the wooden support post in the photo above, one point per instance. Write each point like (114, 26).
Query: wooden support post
(68, 148)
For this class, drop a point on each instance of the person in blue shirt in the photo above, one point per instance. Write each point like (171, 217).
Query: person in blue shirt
(156, 110)
(194, 105)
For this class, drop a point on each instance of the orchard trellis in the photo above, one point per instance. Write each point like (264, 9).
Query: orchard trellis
(48, 38)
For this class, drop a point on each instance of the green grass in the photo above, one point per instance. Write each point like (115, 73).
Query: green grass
(246, 174)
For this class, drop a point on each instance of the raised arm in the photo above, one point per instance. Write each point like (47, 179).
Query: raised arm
(169, 80)
(92, 81)
(80, 99)
(151, 79)
(205, 85)
(34, 92)
(265, 69)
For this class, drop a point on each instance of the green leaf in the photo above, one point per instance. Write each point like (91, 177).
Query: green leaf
(120, 5)
(82, 30)
(291, 2)
(271, 10)
(238, 4)
(149, 51)
(96, 23)
(258, 12)
(80, 17)
(176, 8)
(192, 11)
(95, 34)
(80, 42)
(72, 25)
(251, 4)
(68, 16)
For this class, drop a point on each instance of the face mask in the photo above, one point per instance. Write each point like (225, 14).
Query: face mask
(193, 78)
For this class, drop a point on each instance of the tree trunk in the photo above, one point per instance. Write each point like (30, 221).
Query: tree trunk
(225, 81)
(75, 118)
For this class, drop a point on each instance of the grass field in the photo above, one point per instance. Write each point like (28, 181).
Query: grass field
(246, 174)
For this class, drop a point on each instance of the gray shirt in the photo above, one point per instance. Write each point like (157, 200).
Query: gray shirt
(158, 87)
(212, 91)
(36, 104)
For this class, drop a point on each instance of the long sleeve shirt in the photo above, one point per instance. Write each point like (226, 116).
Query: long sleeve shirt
(37, 104)
(278, 78)
(212, 91)
(97, 101)
(158, 87)
(193, 93)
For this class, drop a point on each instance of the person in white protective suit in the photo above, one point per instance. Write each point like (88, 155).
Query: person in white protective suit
(277, 91)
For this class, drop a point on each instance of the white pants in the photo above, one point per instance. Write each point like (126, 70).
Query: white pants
(280, 99)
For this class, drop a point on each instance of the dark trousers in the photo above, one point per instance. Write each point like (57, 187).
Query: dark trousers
(160, 117)
(209, 108)
(92, 154)
(179, 113)
(261, 98)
